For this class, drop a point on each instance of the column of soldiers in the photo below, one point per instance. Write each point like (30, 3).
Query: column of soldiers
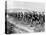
(29, 17)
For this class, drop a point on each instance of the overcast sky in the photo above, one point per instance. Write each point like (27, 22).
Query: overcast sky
(26, 5)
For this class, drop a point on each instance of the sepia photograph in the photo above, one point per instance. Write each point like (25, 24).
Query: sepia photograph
(24, 17)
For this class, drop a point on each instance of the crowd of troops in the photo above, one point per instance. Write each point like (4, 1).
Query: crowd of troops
(29, 17)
